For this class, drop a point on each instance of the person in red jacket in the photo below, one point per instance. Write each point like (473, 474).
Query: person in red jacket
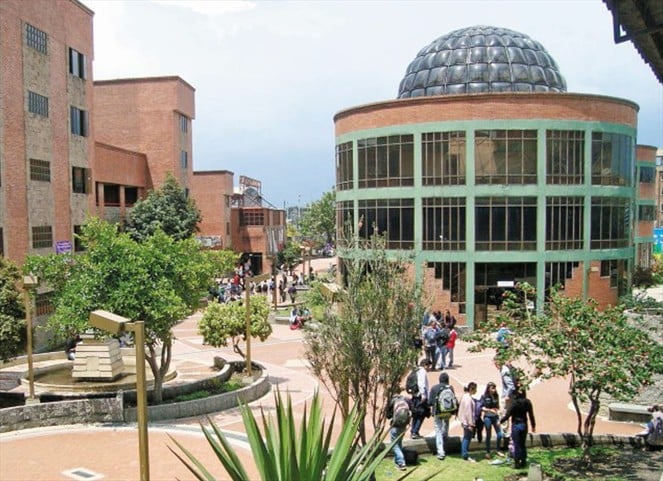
(451, 344)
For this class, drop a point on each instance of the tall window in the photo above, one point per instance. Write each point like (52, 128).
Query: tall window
(184, 123)
(452, 275)
(444, 223)
(42, 236)
(184, 159)
(345, 224)
(565, 159)
(505, 156)
(44, 304)
(443, 158)
(386, 161)
(79, 121)
(615, 269)
(36, 39)
(612, 159)
(79, 180)
(610, 221)
(393, 217)
(78, 245)
(558, 272)
(40, 170)
(77, 66)
(344, 174)
(505, 223)
(37, 104)
(564, 223)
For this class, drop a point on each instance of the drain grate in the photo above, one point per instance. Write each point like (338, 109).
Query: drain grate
(82, 474)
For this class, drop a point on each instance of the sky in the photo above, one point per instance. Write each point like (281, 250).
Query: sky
(270, 76)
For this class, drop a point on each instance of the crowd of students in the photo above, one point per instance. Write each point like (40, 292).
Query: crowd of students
(508, 414)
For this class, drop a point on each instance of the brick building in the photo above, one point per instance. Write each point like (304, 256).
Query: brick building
(71, 147)
(492, 174)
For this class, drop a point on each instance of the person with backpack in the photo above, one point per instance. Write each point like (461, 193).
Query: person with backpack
(399, 412)
(441, 346)
(466, 416)
(444, 404)
(416, 385)
(430, 343)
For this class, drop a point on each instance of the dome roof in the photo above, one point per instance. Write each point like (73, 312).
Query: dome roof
(481, 59)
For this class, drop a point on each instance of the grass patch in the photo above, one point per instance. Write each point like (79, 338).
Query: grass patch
(610, 464)
(214, 387)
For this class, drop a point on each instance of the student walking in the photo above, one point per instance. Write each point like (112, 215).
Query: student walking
(519, 411)
(444, 404)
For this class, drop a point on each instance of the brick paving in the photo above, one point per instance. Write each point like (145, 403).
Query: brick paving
(111, 452)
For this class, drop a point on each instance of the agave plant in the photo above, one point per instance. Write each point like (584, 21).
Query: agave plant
(284, 454)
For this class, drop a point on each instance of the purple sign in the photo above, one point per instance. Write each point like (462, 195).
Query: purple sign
(62, 247)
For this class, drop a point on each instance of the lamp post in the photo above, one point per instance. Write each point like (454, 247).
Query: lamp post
(29, 282)
(114, 324)
(255, 279)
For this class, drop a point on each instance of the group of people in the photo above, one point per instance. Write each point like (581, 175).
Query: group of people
(478, 416)
(438, 337)
(231, 289)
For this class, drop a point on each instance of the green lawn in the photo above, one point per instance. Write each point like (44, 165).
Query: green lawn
(454, 468)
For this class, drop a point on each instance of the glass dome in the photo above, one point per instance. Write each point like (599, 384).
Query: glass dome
(481, 59)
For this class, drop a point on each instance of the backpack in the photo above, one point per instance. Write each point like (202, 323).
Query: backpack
(443, 336)
(411, 383)
(429, 336)
(402, 415)
(447, 404)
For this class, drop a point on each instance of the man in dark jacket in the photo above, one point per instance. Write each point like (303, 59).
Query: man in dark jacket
(398, 427)
(441, 419)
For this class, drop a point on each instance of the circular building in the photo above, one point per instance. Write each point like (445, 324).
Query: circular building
(492, 174)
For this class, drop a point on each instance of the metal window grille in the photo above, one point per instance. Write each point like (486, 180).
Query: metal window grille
(36, 39)
(42, 236)
(40, 170)
(37, 104)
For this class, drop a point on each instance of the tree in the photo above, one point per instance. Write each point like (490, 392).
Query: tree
(223, 322)
(289, 256)
(168, 209)
(286, 453)
(12, 325)
(319, 220)
(362, 349)
(158, 281)
(600, 352)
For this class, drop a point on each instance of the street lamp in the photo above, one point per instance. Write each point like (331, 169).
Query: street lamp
(29, 282)
(114, 324)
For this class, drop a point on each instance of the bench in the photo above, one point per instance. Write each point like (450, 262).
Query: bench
(628, 412)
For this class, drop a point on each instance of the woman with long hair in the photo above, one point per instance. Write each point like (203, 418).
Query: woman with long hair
(490, 407)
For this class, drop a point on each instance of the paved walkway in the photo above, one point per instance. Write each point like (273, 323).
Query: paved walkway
(84, 452)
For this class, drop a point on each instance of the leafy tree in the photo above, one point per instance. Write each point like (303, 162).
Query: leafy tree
(290, 255)
(223, 322)
(158, 281)
(168, 209)
(600, 352)
(319, 219)
(12, 325)
(224, 261)
(286, 453)
(362, 349)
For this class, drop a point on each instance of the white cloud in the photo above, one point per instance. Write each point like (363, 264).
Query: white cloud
(269, 76)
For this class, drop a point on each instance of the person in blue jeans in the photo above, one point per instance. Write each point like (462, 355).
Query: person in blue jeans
(490, 408)
(520, 410)
(467, 419)
(397, 430)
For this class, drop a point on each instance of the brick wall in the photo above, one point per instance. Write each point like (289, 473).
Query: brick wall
(502, 106)
(212, 192)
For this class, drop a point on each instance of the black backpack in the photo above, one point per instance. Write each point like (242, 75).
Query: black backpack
(443, 336)
(411, 383)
